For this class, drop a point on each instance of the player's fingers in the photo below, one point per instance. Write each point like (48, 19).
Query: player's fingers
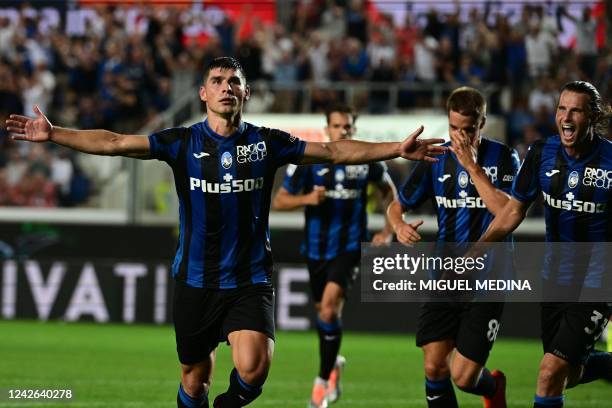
(14, 124)
(436, 150)
(38, 112)
(430, 159)
(12, 129)
(19, 137)
(416, 133)
(19, 118)
(416, 224)
(415, 235)
(435, 140)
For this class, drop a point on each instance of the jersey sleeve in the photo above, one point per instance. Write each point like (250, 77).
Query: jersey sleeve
(295, 178)
(166, 144)
(417, 188)
(526, 185)
(510, 166)
(285, 148)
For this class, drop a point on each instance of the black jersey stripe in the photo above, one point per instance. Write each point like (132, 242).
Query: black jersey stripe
(181, 180)
(325, 207)
(556, 188)
(450, 190)
(213, 223)
(477, 214)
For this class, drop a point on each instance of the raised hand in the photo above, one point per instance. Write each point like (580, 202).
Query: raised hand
(466, 152)
(31, 129)
(406, 232)
(421, 150)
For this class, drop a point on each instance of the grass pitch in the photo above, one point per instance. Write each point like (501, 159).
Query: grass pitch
(136, 366)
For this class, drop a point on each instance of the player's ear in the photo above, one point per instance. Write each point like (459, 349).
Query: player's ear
(247, 92)
(483, 121)
(202, 93)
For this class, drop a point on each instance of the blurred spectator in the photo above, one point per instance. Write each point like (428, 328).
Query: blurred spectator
(586, 40)
(357, 21)
(35, 190)
(121, 66)
(541, 47)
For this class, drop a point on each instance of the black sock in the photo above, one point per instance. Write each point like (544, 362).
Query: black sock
(440, 393)
(486, 385)
(598, 365)
(548, 402)
(184, 400)
(330, 336)
(238, 394)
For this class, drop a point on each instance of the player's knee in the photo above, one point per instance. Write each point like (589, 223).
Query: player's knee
(194, 386)
(328, 312)
(256, 370)
(464, 379)
(435, 370)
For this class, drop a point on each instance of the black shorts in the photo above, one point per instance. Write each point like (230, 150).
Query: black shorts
(204, 317)
(472, 326)
(342, 270)
(570, 330)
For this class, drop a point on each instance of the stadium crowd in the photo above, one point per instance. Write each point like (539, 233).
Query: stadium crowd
(124, 65)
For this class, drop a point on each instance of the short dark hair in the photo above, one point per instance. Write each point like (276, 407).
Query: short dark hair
(599, 111)
(340, 108)
(467, 101)
(223, 63)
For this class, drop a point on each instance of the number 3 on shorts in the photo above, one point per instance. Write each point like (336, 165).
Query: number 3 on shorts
(596, 326)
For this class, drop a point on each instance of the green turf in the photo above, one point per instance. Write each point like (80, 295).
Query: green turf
(135, 366)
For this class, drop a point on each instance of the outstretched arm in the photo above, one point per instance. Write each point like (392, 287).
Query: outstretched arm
(98, 141)
(356, 152)
(285, 201)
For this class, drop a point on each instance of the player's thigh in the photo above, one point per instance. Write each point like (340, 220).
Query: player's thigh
(437, 321)
(251, 309)
(480, 324)
(251, 352)
(197, 315)
(570, 330)
(342, 270)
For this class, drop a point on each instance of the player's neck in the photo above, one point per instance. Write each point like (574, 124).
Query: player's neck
(581, 149)
(224, 125)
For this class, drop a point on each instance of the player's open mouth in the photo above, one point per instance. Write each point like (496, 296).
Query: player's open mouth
(568, 131)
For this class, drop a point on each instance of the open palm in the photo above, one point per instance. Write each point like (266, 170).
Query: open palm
(421, 149)
(31, 129)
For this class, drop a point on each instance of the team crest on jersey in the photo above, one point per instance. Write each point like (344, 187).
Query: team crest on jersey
(226, 160)
(572, 180)
(339, 176)
(463, 179)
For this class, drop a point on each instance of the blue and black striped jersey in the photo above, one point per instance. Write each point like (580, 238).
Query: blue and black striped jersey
(462, 214)
(223, 186)
(576, 192)
(339, 223)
